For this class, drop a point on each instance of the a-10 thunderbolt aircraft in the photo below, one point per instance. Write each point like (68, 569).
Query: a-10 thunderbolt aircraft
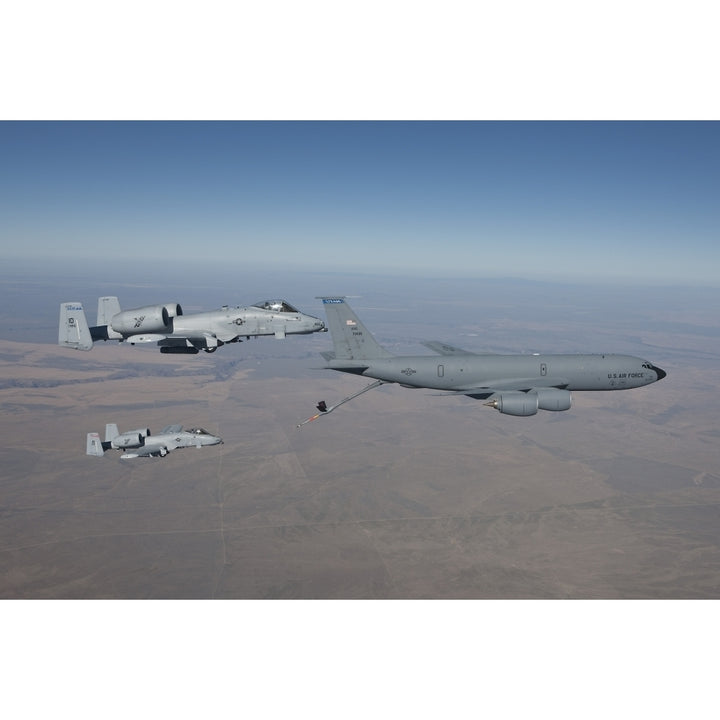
(177, 333)
(141, 443)
(513, 384)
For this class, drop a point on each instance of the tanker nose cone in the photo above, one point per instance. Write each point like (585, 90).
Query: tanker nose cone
(659, 371)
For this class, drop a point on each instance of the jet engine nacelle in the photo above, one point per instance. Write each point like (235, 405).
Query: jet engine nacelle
(523, 404)
(174, 309)
(516, 403)
(554, 399)
(150, 319)
(134, 439)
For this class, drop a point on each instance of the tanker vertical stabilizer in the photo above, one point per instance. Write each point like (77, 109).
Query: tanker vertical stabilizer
(351, 338)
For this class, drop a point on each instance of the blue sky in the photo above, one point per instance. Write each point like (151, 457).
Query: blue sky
(590, 201)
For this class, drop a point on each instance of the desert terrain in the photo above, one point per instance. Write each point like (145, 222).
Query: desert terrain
(398, 494)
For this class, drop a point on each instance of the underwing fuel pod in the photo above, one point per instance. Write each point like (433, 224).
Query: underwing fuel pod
(175, 332)
(519, 385)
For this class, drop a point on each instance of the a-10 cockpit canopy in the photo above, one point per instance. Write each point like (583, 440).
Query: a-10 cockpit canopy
(198, 431)
(276, 306)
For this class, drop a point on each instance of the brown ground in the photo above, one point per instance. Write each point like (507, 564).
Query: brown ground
(399, 494)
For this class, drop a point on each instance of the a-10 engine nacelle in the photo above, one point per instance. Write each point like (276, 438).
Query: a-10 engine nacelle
(131, 439)
(523, 404)
(150, 319)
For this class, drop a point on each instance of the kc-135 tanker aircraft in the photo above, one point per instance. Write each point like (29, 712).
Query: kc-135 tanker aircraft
(141, 443)
(513, 384)
(177, 333)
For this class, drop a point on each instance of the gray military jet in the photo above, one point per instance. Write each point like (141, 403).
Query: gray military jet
(177, 333)
(140, 443)
(512, 384)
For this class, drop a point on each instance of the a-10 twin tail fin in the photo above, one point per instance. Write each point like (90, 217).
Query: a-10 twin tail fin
(108, 308)
(95, 446)
(74, 331)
